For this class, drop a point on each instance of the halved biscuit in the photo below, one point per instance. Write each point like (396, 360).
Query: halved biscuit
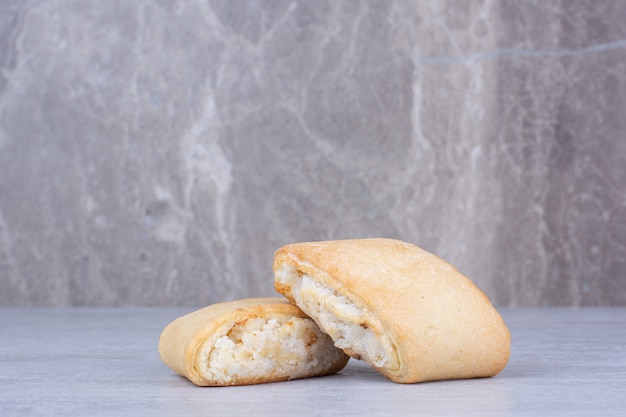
(406, 312)
(249, 341)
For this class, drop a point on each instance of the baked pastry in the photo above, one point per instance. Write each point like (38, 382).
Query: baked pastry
(248, 341)
(406, 312)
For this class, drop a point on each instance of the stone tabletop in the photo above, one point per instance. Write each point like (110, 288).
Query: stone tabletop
(96, 362)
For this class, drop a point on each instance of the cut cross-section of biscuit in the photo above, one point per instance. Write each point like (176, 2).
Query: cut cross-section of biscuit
(249, 341)
(406, 312)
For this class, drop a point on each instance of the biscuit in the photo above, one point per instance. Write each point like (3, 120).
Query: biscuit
(406, 312)
(249, 341)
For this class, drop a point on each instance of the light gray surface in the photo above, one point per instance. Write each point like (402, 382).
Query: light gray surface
(158, 152)
(104, 362)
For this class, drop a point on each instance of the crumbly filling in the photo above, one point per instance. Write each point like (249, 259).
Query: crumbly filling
(353, 329)
(275, 348)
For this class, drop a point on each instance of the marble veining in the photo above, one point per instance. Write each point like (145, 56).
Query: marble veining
(158, 153)
(505, 52)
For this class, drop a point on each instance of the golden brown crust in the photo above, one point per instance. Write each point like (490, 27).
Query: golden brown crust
(440, 324)
(181, 341)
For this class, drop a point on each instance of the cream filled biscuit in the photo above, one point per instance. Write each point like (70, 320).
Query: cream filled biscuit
(248, 341)
(406, 312)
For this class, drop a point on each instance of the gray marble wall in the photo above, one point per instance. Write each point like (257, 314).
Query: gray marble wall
(157, 152)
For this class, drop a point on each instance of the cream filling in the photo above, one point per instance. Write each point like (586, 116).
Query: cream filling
(262, 349)
(354, 329)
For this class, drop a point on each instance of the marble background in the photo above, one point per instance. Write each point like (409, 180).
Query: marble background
(158, 152)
